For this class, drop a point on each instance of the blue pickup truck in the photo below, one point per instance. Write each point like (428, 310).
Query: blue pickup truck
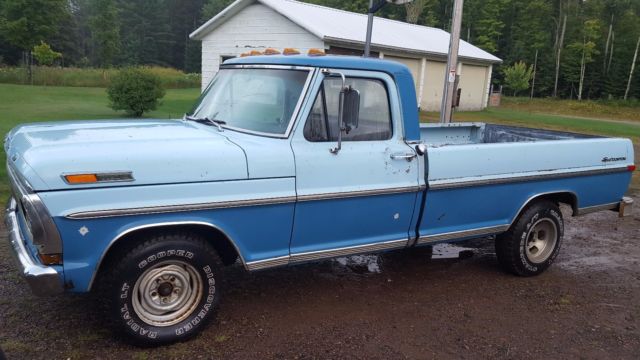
(284, 160)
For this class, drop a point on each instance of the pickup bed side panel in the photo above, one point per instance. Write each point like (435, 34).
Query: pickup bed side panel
(257, 215)
(480, 189)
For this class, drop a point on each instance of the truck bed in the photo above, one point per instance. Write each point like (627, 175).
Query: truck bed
(481, 133)
(462, 152)
(482, 174)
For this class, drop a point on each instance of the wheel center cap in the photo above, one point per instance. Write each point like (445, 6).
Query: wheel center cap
(165, 289)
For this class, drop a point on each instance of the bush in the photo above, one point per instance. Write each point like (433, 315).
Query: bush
(135, 90)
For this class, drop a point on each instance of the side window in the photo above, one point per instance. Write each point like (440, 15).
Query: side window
(374, 120)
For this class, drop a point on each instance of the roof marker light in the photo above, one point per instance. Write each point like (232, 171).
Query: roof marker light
(316, 52)
(271, 51)
(291, 51)
(255, 53)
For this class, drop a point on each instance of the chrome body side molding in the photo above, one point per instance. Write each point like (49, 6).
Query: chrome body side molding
(463, 234)
(235, 203)
(268, 263)
(596, 208)
(325, 254)
(349, 194)
(350, 250)
(180, 208)
(496, 181)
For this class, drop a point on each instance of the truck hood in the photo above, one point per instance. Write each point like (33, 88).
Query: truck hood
(154, 151)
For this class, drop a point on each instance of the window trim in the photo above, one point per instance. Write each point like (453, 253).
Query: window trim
(326, 116)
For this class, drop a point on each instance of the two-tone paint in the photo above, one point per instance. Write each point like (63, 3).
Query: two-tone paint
(281, 200)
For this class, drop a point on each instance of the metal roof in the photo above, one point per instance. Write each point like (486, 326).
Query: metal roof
(348, 29)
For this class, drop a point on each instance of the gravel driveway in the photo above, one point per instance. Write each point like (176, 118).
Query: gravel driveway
(396, 305)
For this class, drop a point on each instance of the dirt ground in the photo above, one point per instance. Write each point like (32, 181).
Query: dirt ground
(396, 305)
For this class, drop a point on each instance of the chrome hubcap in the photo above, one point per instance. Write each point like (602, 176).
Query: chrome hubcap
(167, 293)
(541, 240)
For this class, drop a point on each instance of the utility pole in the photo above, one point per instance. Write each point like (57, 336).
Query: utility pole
(367, 43)
(452, 63)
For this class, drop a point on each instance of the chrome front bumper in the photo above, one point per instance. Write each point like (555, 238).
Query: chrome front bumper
(43, 280)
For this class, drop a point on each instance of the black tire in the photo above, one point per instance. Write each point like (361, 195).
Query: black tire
(517, 249)
(179, 269)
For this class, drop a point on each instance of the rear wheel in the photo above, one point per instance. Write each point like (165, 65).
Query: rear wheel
(533, 242)
(164, 290)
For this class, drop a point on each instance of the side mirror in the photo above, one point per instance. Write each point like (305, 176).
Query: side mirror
(350, 100)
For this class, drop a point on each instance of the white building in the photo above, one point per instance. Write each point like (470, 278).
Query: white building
(247, 25)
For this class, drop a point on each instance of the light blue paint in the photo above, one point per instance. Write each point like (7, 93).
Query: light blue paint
(157, 152)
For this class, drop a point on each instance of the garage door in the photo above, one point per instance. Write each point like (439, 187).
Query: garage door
(433, 84)
(412, 64)
(473, 82)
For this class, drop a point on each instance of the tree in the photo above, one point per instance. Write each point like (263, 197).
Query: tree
(25, 23)
(490, 25)
(633, 66)
(414, 10)
(517, 76)
(44, 54)
(591, 32)
(105, 34)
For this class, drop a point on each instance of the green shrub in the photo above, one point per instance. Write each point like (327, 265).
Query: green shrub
(135, 90)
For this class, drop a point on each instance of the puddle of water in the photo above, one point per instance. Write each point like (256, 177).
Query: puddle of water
(451, 251)
(361, 263)
(372, 263)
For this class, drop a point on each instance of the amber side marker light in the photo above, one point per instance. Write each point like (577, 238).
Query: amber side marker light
(290, 51)
(81, 178)
(51, 259)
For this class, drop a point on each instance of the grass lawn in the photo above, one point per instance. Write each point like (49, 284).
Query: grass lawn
(20, 104)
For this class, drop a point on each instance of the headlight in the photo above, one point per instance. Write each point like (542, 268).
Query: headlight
(39, 223)
(42, 229)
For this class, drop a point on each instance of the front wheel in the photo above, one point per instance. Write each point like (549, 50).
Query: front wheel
(165, 289)
(532, 243)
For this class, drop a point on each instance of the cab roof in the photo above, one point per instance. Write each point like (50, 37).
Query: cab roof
(401, 74)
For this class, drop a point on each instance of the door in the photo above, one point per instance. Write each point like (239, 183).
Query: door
(362, 198)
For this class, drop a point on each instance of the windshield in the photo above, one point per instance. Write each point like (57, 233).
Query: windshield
(259, 100)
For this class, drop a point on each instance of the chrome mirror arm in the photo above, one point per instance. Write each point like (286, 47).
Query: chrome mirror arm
(341, 127)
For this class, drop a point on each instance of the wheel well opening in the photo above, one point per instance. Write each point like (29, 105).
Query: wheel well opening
(220, 242)
(567, 198)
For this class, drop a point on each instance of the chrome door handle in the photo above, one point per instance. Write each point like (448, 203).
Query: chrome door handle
(403, 156)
